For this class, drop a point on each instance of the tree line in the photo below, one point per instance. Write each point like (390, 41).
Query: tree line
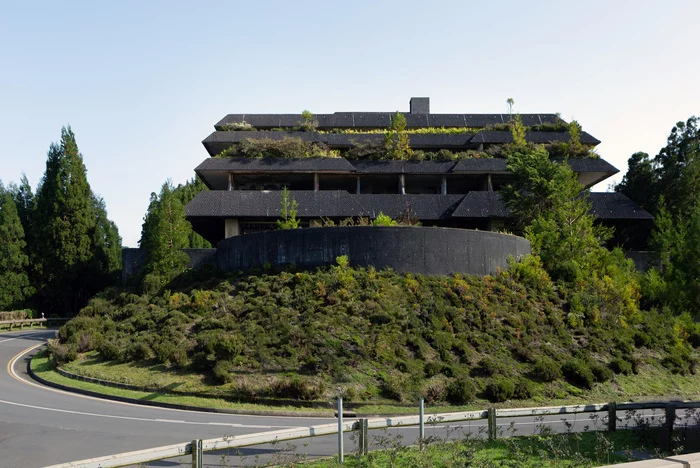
(58, 245)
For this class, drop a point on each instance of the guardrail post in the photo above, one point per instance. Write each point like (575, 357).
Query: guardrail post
(667, 441)
(421, 425)
(341, 457)
(364, 436)
(612, 416)
(492, 423)
(197, 453)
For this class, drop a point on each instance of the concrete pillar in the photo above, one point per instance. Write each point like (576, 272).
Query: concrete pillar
(443, 185)
(489, 185)
(231, 182)
(402, 184)
(316, 182)
(231, 227)
(357, 186)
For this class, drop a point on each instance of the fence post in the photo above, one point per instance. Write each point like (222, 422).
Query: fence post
(364, 436)
(197, 453)
(492, 423)
(341, 457)
(421, 425)
(667, 441)
(612, 416)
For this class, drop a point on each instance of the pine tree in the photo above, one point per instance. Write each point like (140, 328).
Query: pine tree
(164, 234)
(14, 280)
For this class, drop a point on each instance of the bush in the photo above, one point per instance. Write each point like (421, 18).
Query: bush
(61, 353)
(578, 373)
(523, 389)
(546, 370)
(298, 389)
(222, 372)
(679, 361)
(620, 366)
(383, 220)
(432, 368)
(490, 366)
(435, 391)
(461, 391)
(500, 389)
(600, 372)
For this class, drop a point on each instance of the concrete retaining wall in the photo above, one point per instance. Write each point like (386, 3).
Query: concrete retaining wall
(133, 260)
(425, 250)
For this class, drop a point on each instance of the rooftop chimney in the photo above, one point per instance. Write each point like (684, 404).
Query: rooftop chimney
(420, 105)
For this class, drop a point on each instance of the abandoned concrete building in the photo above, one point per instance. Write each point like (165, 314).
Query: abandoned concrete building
(439, 190)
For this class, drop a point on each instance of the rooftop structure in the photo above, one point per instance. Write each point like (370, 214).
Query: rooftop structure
(339, 170)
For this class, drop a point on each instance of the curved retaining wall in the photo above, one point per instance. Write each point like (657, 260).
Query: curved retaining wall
(424, 250)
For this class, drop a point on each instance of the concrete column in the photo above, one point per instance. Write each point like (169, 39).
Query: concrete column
(402, 184)
(231, 182)
(357, 186)
(316, 182)
(443, 185)
(489, 185)
(231, 227)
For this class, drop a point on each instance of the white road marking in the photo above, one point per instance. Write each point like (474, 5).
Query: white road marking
(131, 418)
(19, 337)
(11, 370)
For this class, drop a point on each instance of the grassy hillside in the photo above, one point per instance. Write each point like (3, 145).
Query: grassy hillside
(376, 335)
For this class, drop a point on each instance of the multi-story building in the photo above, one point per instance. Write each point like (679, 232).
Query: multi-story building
(452, 179)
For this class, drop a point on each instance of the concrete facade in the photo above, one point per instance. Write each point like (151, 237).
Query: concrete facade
(423, 250)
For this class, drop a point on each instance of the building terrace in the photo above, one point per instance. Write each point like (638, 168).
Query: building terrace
(245, 192)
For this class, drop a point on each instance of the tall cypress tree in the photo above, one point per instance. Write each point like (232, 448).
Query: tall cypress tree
(14, 280)
(69, 231)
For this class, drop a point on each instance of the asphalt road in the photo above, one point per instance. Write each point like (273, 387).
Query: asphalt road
(41, 426)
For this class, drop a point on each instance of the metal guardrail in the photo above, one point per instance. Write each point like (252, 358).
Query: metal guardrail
(199, 446)
(30, 322)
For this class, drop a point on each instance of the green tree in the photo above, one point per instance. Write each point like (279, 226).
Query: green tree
(15, 287)
(288, 213)
(186, 193)
(551, 208)
(639, 183)
(518, 131)
(396, 140)
(164, 234)
(66, 233)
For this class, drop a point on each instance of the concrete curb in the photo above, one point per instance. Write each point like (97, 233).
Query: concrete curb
(298, 414)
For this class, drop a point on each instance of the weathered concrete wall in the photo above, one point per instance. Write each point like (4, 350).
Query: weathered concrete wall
(133, 260)
(643, 260)
(425, 250)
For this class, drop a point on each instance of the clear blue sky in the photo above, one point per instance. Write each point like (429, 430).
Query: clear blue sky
(143, 82)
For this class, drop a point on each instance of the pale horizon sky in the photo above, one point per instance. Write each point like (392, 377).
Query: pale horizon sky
(143, 82)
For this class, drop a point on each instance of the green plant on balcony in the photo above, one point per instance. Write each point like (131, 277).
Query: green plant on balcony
(288, 213)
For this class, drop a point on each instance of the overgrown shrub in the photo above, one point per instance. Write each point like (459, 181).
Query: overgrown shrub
(578, 373)
(620, 366)
(490, 365)
(461, 391)
(435, 391)
(61, 353)
(679, 361)
(546, 370)
(298, 388)
(222, 371)
(523, 389)
(600, 372)
(500, 389)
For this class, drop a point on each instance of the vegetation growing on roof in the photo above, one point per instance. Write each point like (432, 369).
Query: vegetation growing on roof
(288, 212)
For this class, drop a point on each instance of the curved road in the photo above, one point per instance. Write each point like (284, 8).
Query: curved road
(42, 426)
